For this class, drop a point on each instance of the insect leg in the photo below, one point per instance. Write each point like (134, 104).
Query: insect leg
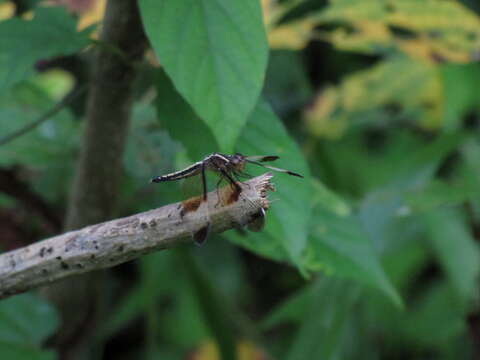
(218, 193)
(204, 181)
(201, 235)
(231, 180)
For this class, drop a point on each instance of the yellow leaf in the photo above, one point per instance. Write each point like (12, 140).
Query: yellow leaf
(411, 87)
(293, 35)
(430, 30)
(92, 15)
(7, 10)
(245, 351)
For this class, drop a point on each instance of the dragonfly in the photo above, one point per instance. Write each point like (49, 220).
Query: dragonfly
(229, 168)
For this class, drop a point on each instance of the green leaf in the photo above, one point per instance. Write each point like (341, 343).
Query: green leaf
(52, 32)
(55, 138)
(407, 170)
(460, 92)
(215, 52)
(288, 217)
(150, 150)
(322, 330)
(278, 89)
(146, 292)
(292, 309)
(340, 246)
(19, 352)
(181, 121)
(435, 318)
(215, 309)
(456, 249)
(25, 322)
(330, 200)
(440, 193)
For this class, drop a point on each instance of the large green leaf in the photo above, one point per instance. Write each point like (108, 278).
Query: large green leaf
(25, 321)
(456, 250)
(52, 32)
(215, 52)
(288, 217)
(321, 332)
(340, 246)
(181, 121)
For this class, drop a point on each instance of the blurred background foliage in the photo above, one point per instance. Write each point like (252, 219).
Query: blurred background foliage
(373, 255)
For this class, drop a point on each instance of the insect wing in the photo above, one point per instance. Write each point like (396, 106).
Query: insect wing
(274, 168)
(262, 158)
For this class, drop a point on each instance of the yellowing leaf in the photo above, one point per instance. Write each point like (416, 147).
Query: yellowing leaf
(92, 15)
(245, 351)
(7, 10)
(293, 35)
(432, 30)
(317, 116)
(409, 86)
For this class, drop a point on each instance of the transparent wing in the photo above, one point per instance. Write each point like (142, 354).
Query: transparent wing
(274, 168)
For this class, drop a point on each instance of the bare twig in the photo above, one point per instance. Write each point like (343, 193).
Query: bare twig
(117, 241)
(44, 117)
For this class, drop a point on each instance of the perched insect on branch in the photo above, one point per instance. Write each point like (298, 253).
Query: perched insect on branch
(229, 168)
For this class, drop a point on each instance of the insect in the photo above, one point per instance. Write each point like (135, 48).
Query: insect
(229, 168)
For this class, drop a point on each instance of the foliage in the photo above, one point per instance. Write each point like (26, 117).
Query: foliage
(373, 254)
(26, 321)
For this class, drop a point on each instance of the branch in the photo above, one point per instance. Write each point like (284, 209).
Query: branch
(113, 242)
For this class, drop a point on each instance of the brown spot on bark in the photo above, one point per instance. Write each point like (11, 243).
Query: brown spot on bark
(190, 205)
(233, 195)
(42, 252)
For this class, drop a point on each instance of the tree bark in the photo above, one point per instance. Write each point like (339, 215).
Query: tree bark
(116, 241)
(99, 166)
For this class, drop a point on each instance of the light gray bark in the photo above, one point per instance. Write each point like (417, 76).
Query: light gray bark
(117, 241)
